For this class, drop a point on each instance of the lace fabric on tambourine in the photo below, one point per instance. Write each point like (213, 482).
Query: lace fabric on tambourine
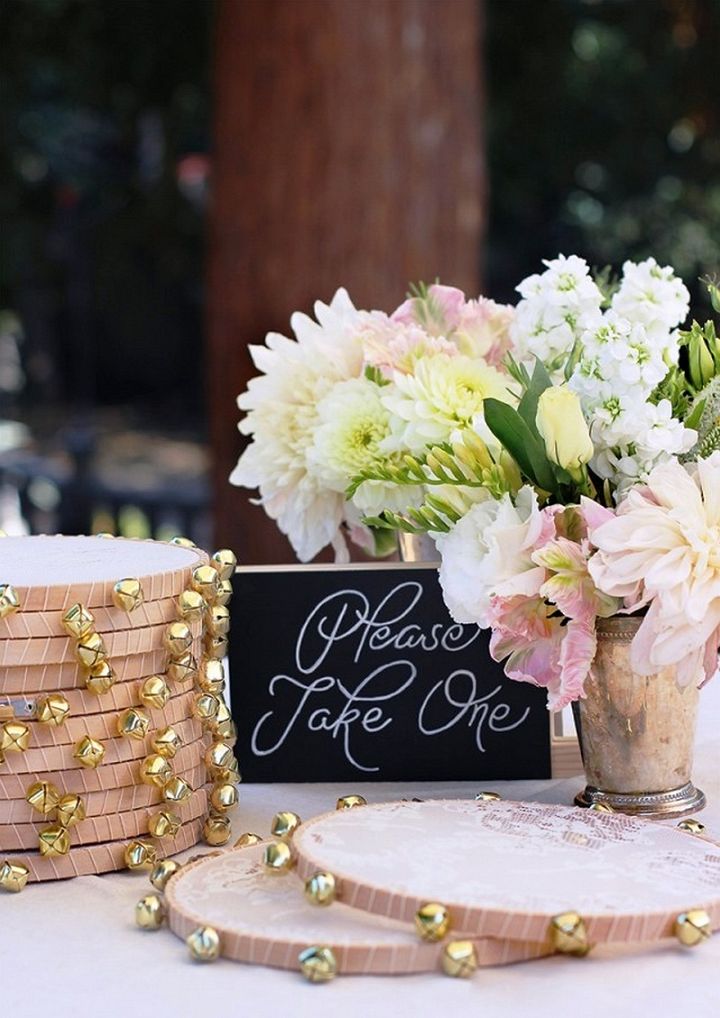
(525, 857)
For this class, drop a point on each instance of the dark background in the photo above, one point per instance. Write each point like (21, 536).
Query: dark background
(587, 126)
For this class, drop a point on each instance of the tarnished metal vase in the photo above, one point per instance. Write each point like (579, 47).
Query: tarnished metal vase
(636, 732)
(417, 548)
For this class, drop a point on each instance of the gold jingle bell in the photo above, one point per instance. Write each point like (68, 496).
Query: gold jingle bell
(100, 678)
(164, 824)
(321, 888)
(154, 692)
(487, 797)
(150, 912)
(178, 638)
(318, 964)
(211, 677)
(167, 742)
(600, 807)
(128, 594)
(222, 763)
(432, 921)
(278, 858)
(206, 707)
(54, 841)
(224, 797)
(350, 801)
(162, 872)
(52, 709)
(9, 600)
(43, 796)
(215, 647)
(14, 737)
(247, 839)
(218, 620)
(217, 830)
(133, 724)
(155, 770)
(224, 592)
(183, 668)
(183, 542)
(225, 562)
(692, 826)
(140, 855)
(204, 944)
(284, 825)
(459, 959)
(78, 621)
(89, 752)
(13, 877)
(70, 810)
(568, 934)
(91, 650)
(205, 581)
(191, 606)
(693, 927)
(176, 790)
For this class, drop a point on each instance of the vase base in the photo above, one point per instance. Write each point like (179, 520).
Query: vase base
(676, 802)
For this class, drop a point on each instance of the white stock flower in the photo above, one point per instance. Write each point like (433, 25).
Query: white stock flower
(651, 294)
(282, 415)
(556, 308)
(443, 394)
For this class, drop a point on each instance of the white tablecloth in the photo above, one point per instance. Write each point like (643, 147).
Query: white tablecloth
(71, 949)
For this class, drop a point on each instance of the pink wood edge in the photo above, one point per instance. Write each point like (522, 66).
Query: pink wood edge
(503, 924)
(118, 749)
(107, 776)
(112, 800)
(25, 625)
(49, 678)
(366, 958)
(99, 594)
(16, 653)
(93, 859)
(96, 830)
(123, 694)
(104, 725)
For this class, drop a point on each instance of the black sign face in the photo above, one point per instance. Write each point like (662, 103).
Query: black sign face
(342, 673)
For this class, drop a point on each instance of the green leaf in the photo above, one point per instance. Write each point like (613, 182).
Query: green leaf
(526, 449)
(527, 408)
(693, 418)
(374, 374)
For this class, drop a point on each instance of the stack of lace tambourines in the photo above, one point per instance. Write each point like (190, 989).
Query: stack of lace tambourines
(115, 739)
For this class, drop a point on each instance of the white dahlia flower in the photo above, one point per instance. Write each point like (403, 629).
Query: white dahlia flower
(443, 395)
(282, 415)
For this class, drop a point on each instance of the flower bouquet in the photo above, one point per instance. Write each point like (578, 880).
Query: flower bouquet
(564, 454)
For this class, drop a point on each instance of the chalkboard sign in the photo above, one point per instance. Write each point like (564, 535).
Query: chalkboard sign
(358, 672)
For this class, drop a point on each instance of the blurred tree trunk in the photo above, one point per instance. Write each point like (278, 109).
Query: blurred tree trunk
(348, 151)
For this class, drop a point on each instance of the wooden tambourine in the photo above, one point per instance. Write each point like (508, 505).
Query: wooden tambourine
(86, 627)
(266, 920)
(509, 870)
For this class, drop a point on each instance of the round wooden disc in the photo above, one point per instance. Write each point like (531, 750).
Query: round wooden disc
(103, 802)
(15, 653)
(52, 573)
(118, 749)
(54, 677)
(96, 830)
(92, 859)
(25, 625)
(104, 725)
(504, 869)
(107, 776)
(265, 920)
